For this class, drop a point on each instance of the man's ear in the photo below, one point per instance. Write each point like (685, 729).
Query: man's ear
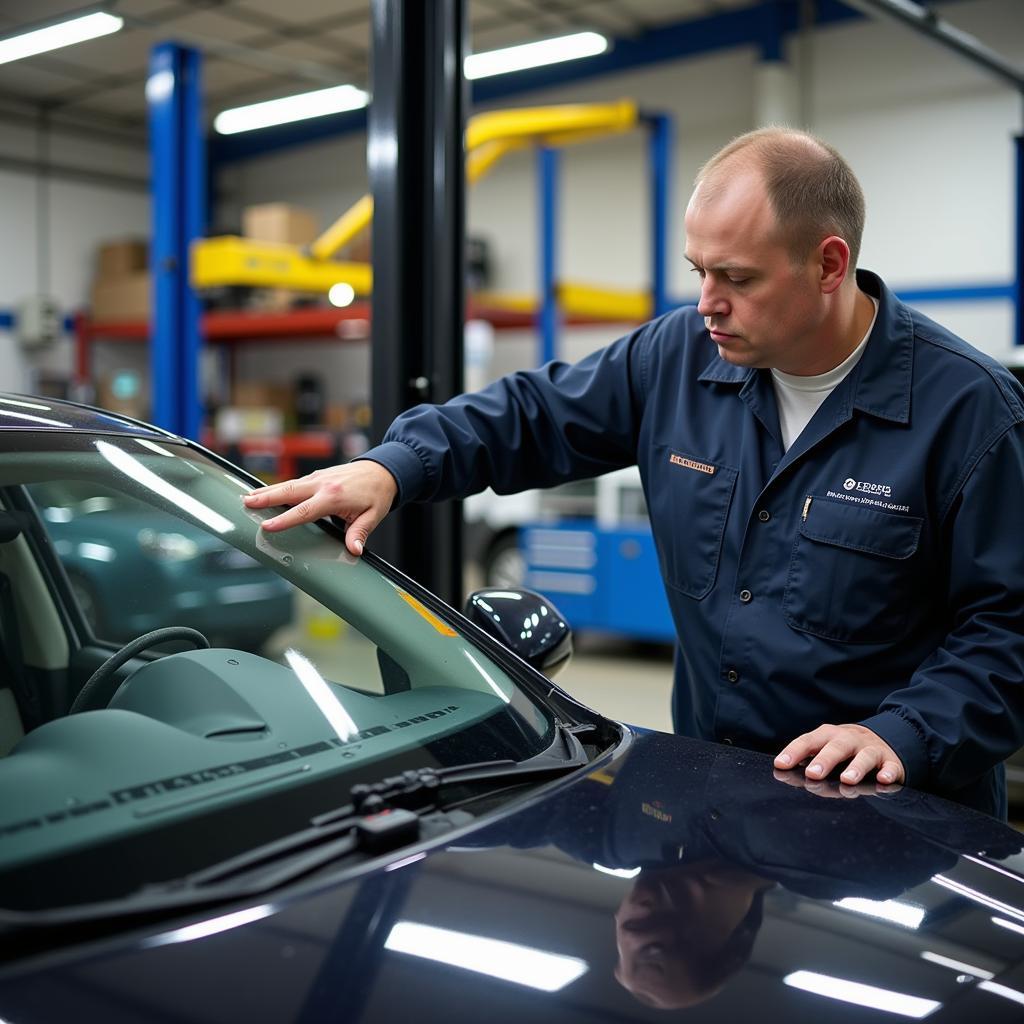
(834, 262)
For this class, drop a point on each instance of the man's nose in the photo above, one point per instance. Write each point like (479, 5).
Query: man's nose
(712, 302)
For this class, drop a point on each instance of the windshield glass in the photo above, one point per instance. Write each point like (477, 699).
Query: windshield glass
(322, 672)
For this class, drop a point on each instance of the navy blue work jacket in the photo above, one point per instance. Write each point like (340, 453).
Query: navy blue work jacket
(872, 573)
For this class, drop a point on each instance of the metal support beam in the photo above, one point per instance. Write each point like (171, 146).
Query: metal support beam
(660, 158)
(927, 22)
(173, 92)
(416, 162)
(1018, 240)
(548, 315)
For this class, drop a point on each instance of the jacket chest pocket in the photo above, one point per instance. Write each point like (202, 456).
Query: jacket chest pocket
(851, 574)
(689, 511)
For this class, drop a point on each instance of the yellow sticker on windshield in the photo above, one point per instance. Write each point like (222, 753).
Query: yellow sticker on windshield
(443, 628)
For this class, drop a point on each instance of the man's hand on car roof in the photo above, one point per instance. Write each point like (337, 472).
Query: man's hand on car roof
(831, 745)
(360, 493)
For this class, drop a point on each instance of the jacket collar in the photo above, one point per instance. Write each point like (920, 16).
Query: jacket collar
(882, 379)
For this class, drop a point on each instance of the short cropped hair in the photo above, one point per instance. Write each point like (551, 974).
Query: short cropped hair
(812, 189)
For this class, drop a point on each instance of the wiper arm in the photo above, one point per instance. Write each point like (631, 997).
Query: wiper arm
(380, 816)
(420, 787)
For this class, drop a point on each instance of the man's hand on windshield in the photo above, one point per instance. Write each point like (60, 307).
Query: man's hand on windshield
(830, 745)
(360, 493)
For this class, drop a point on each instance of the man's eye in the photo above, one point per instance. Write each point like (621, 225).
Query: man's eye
(698, 272)
(738, 280)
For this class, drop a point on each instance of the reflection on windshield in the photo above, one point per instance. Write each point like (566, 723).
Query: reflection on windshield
(128, 464)
(316, 686)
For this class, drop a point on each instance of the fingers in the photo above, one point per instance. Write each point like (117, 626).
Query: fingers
(289, 492)
(357, 532)
(831, 745)
(802, 747)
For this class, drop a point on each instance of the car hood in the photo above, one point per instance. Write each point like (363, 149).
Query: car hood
(674, 874)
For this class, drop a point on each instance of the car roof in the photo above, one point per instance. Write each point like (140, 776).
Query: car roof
(31, 412)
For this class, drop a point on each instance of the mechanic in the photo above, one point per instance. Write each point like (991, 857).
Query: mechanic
(834, 483)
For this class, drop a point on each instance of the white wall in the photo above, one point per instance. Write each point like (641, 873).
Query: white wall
(929, 134)
(64, 220)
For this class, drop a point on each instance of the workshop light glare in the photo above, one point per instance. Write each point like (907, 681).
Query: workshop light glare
(862, 995)
(334, 100)
(341, 295)
(907, 914)
(535, 55)
(53, 37)
(508, 961)
(206, 928)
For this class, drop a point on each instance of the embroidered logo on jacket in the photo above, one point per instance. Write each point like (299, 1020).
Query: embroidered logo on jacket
(703, 467)
(878, 490)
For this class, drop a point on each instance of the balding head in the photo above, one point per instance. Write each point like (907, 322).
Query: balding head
(811, 189)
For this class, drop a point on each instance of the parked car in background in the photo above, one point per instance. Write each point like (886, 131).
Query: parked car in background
(134, 569)
(403, 818)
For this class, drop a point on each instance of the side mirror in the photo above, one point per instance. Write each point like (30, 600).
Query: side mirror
(525, 622)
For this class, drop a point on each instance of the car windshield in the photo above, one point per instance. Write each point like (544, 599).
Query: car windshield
(323, 671)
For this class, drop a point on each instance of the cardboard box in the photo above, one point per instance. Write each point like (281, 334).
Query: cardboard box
(121, 258)
(122, 298)
(280, 222)
(258, 394)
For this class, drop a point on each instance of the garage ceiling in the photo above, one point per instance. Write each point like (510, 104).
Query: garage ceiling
(260, 49)
(263, 49)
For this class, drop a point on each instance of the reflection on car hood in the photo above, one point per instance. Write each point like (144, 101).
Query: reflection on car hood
(677, 874)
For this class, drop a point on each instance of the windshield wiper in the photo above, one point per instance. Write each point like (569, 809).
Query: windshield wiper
(380, 816)
(384, 815)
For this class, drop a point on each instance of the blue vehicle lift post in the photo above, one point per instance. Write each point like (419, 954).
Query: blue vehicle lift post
(1018, 269)
(660, 161)
(177, 152)
(548, 313)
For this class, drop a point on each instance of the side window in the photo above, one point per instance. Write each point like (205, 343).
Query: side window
(134, 568)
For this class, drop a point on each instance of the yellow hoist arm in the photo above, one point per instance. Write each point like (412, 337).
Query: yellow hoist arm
(489, 136)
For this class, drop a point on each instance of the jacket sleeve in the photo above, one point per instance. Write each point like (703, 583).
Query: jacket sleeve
(963, 711)
(533, 428)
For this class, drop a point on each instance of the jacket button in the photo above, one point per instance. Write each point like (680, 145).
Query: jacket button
(732, 675)
(745, 596)
(764, 515)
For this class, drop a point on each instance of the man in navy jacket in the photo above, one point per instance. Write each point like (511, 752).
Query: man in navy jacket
(834, 484)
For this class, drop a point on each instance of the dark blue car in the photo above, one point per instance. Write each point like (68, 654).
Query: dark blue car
(388, 815)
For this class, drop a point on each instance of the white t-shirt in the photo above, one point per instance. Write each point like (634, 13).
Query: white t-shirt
(798, 398)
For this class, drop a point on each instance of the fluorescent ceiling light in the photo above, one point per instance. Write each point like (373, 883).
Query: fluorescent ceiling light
(1008, 924)
(1002, 990)
(862, 995)
(333, 100)
(535, 55)
(907, 914)
(211, 927)
(53, 37)
(135, 470)
(956, 965)
(978, 897)
(340, 98)
(508, 961)
(617, 872)
(323, 696)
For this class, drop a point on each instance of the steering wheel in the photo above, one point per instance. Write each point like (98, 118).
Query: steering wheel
(95, 692)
